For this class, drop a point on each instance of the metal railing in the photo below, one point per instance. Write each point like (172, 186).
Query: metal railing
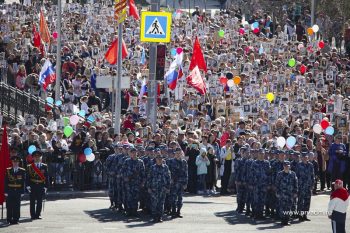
(15, 103)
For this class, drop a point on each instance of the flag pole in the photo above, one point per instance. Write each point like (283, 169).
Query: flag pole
(117, 108)
(58, 56)
(2, 211)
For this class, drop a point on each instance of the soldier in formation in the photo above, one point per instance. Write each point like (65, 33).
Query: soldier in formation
(151, 179)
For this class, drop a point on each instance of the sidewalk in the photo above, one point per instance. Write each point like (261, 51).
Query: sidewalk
(54, 195)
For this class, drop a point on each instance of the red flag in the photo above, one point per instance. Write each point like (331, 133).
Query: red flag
(197, 57)
(44, 29)
(112, 53)
(133, 10)
(224, 138)
(195, 80)
(4, 163)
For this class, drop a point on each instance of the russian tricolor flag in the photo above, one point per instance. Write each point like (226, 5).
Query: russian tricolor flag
(143, 89)
(47, 74)
(175, 71)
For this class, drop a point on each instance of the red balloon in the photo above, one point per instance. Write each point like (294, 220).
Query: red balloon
(302, 69)
(223, 80)
(324, 124)
(82, 158)
(256, 30)
(321, 44)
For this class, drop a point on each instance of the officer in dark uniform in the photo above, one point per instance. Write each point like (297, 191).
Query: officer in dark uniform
(36, 184)
(14, 189)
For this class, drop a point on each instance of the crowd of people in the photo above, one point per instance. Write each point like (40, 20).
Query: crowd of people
(272, 125)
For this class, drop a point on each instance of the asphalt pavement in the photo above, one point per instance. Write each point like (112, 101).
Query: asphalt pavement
(201, 214)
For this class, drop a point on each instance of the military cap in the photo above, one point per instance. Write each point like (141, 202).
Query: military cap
(286, 162)
(126, 146)
(157, 150)
(132, 149)
(150, 148)
(304, 153)
(15, 158)
(158, 156)
(37, 153)
(178, 149)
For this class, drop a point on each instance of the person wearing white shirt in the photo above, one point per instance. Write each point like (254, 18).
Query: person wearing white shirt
(337, 207)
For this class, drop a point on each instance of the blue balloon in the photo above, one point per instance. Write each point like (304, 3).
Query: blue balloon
(58, 103)
(31, 149)
(291, 141)
(82, 113)
(173, 52)
(49, 100)
(329, 130)
(87, 151)
(255, 25)
(91, 119)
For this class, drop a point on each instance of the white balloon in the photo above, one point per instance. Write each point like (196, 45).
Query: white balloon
(317, 128)
(315, 28)
(281, 142)
(90, 157)
(230, 83)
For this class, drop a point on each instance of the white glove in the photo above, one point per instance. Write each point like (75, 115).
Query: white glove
(6, 194)
(22, 195)
(45, 190)
(29, 189)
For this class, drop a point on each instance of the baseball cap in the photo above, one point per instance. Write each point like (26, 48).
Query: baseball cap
(338, 182)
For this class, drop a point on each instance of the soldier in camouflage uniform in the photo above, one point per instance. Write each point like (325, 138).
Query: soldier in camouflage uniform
(287, 188)
(306, 178)
(276, 166)
(119, 184)
(260, 174)
(248, 182)
(133, 173)
(239, 170)
(109, 164)
(148, 161)
(158, 186)
(179, 178)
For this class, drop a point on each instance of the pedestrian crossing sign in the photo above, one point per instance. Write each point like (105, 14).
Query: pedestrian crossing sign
(155, 27)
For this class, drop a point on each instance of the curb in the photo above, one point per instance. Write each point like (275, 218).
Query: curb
(54, 195)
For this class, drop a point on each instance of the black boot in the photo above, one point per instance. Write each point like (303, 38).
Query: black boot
(173, 212)
(305, 218)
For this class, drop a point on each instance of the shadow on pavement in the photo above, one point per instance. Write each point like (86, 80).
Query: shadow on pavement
(105, 215)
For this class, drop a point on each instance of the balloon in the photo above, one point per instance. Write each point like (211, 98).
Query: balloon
(261, 50)
(302, 69)
(173, 52)
(291, 142)
(58, 103)
(31, 149)
(74, 120)
(179, 50)
(229, 75)
(256, 30)
(49, 100)
(281, 141)
(310, 31)
(87, 151)
(221, 33)
(237, 80)
(255, 25)
(270, 96)
(241, 31)
(91, 119)
(82, 158)
(321, 44)
(300, 46)
(82, 113)
(329, 130)
(65, 121)
(55, 35)
(223, 80)
(90, 157)
(317, 128)
(68, 130)
(291, 62)
(315, 28)
(230, 83)
(324, 124)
